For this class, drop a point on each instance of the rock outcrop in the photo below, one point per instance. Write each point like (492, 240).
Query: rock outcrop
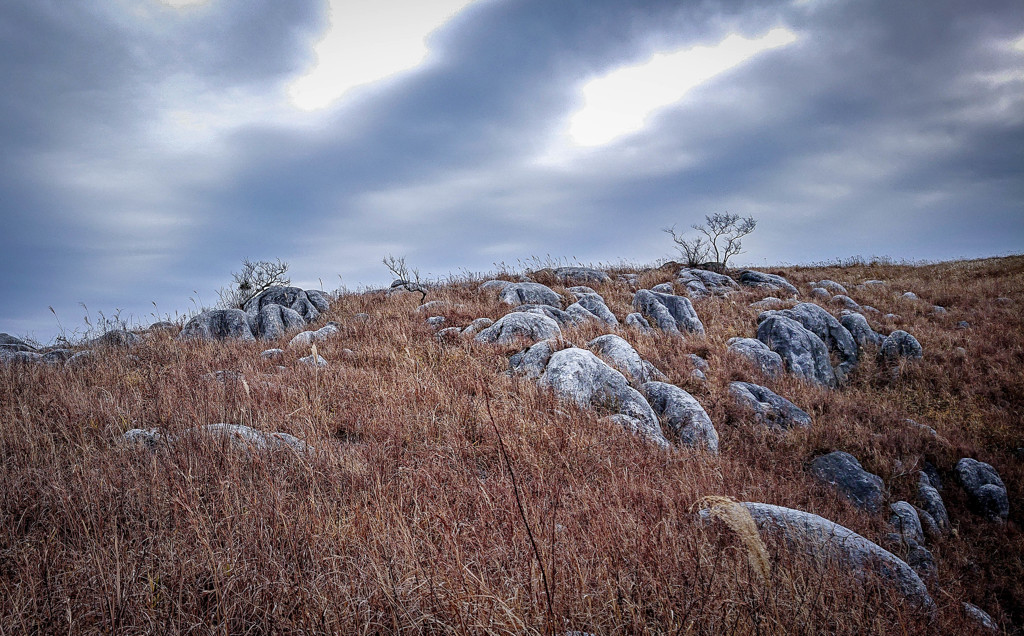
(672, 314)
(529, 294)
(769, 362)
(769, 407)
(683, 415)
(769, 282)
(985, 490)
(844, 472)
(520, 325)
(218, 324)
(803, 353)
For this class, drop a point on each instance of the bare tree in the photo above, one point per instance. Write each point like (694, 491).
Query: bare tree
(694, 250)
(405, 279)
(255, 278)
(724, 231)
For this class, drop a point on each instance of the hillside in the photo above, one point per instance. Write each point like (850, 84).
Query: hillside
(428, 489)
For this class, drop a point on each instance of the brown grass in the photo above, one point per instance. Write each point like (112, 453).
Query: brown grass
(405, 517)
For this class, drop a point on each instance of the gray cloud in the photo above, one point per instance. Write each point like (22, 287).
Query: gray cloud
(147, 154)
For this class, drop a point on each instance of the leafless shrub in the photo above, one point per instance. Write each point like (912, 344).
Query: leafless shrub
(253, 279)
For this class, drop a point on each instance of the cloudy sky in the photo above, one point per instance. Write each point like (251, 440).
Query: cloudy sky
(150, 145)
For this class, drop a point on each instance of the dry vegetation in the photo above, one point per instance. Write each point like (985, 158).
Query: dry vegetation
(405, 517)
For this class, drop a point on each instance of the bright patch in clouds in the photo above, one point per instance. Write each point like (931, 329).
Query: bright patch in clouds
(369, 40)
(620, 103)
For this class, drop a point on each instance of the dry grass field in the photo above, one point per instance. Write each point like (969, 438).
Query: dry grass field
(442, 495)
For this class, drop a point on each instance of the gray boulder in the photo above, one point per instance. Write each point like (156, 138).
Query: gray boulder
(81, 359)
(579, 290)
(861, 331)
(701, 283)
(274, 321)
(476, 327)
(272, 354)
(311, 361)
(830, 285)
(494, 285)
(593, 307)
(664, 288)
(520, 325)
(637, 321)
(820, 293)
(307, 303)
(673, 314)
(531, 362)
(932, 504)
(829, 330)
(436, 321)
(910, 296)
(682, 414)
(20, 357)
(700, 367)
(14, 344)
(148, 438)
(906, 522)
(218, 324)
(980, 618)
(986, 492)
(581, 275)
(57, 356)
(821, 538)
(758, 352)
(563, 318)
(116, 338)
(621, 355)
(305, 339)
(803, 353)
(845, 302)
(770, 282)
(246, 438)
(769, 407)
(530, 294)
(874, 283)
(771, 302)
(900, 344)
(579, 375)
(844, 472)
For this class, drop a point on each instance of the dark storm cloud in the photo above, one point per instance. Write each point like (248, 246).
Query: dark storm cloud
(886, 128)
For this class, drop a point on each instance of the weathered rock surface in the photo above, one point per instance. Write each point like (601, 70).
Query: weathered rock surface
(758, 352)
(769, 407)
(931, 503)
(906, 522)
(305, 339)
(770, 282)
(672, 314)
(844, 472)
(530, 294)
(682, 414)
(861, 331)
(274, 321)
(581, 275)
(81, 359)
(701, 283)
(771, 302)
(980, 618)
(579, 290)
(637, 321)
(494, 285)
(664, 288)
(307, 303)
(531, 362)
(311, 361)
(563, 318)
(621, 355)
(829, 330)
(520, 325)
(116, 338)
(15, 344)
(700, 367)
(822, 538)
(830, 285)
(820, 293)
(272, 354)
(244, 437)
(579, 375)
(476, 327)
(986, 492)
(146, 437)
(845, 302)
(900, 344)
(803, 353)
(218, 324)
(592, 307)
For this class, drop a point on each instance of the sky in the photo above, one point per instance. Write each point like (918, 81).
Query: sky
(151, 145)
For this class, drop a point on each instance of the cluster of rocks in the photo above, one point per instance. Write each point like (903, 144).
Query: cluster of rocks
(268, 316)
(236, 436)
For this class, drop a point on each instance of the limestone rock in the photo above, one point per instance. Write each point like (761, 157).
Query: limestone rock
(116, 338)
(861, 331)
(476, 327)
(682, 414)
(593, 307)
(581, 275)
(520, 325)
(803, 353)
(637, 321)
(530, 293)
(985, 490)
(579, 375)
(701, 283)
(844, 472)
(770, 282)
(932, 504)
(905, 520)
(757, 352)
(247, 438)
(621, 355)
(769, 407)
(672, 314)
(829, 330)
(831, 286)
(900, 344)
(273, 321)
(531, 362)
(218, 324)
(307, 303)
(980, 618)
(494, 285)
